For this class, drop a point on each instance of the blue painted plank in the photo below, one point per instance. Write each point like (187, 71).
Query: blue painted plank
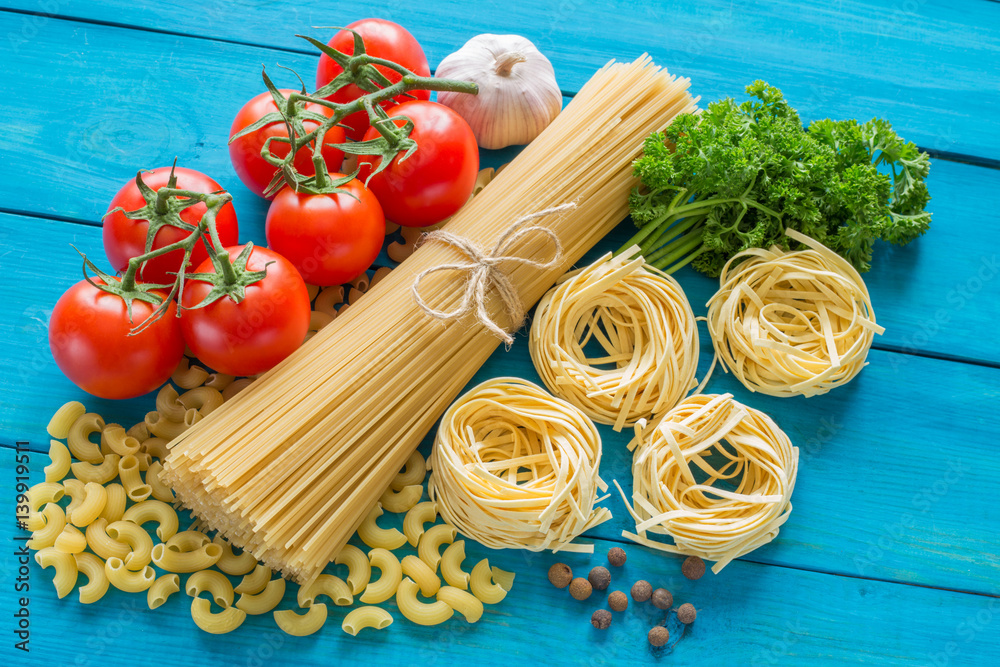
(848, 59)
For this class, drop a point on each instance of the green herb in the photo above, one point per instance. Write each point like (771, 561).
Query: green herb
(737, 175)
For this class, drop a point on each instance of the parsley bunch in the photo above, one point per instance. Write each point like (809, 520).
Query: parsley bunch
(737, 175)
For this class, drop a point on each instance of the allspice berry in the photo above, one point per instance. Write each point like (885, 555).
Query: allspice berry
(641, 590)
(662, 598)
(693, 568)
(618, 601)
(686, 613)
(601, 619)
(599, 578)
(580, 588)
(658, 636)
(560, 575)
(616, 556)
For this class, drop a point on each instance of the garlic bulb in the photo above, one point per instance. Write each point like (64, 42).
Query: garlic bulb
(518, 95)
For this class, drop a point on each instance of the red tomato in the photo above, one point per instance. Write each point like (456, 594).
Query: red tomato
(383, 39)
(330, 238)
(436, 180)
(256, 172)
(125, 239)
(249, 337)
(90, 341)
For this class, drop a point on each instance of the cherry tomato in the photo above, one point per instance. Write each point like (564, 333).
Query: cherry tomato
(256, 172)
(90, 341)
(330, 238)
(253, 335)
(125, 239)
(383, 39)
(436, 180)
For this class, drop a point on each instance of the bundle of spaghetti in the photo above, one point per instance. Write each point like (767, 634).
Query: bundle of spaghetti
(291, 468)
(515, 468)
(643, 322)
(713, 474)
(792, 323)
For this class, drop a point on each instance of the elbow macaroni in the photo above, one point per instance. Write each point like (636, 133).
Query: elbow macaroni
(119, 442)
(301, 625)
(161, 491)
(187, 540)
(413, 472)
(162, 589)
(186, 561)
(78, 438)
(230, 563)
(255, 604)
(103, 544)
(413, 522)
(203, 399)
(366, 617)
(217, 624)
(429, 547)
(71, 540)
(503, 578)
(64, 418)
(377, 537)
(326, 584)
(215, 583)
(187, 376)
(155, 447)
(465, 603)
(114, 507)
(422, 575)
(158, 511)
(65, 569)
(54, 523)
(139, 542)
(451, 565)
(167, 404)
(128, 473)
(103, 473)
(255, 581)
(60, 462)
(359, 570)
(421, 613)
(401, 501)
(97, 579)
(91, 505)
(127, 580)
(482, 586)
(382, 588)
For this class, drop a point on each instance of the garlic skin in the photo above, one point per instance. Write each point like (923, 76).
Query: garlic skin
(518, 94)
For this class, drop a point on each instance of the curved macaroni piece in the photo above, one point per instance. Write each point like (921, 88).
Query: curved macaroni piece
(429, 547)
(366, 617)
(103, 544)
(213, 582)
(421, 613)
(54, 520)
(232, 564)
(97, 579)
(43, 493)
(167, 404)
(115, 501)
(120, 442)
(102, 474)
(503, 578)
(139, 542)
(217, 624)
(465, 603)
(422, 574)
(155, 447)
(219, 381)
(188, 540)
(139, 432)
(329, 585)
(328, 299)
(236, 387)
(124, 579)
(187, 376)
(413, 522)
(78, 438)
(75, 491)
(162, 588)
(144, 460)
(64, 566)
(203, 399)
(128, 472)
(70, 540)
(60, 462)
(398, 502)
(89, 509)
(377, 537)
(482, 585)
(383, 588)
(256, 604)
(256, 581)
(64, 418)
(359, 570)
(301, 625)
(186, 561)
(161, 490)
(451, 566)
(162, 427)
(158, 511)
(413, 472)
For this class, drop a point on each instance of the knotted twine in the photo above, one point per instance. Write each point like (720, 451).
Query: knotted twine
(483, 269)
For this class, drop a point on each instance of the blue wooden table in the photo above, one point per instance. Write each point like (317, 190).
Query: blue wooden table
(891, 552)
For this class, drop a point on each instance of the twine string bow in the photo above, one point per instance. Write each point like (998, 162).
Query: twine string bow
(483, 269)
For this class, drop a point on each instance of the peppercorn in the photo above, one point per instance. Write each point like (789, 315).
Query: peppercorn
(658, 636)
(601, 619)
(642, 590)
(599, 578)
(560, 575)
(616, 556)
(693, 568)
(580, 588)
(662, 598)
(618, 601)
(686, 613)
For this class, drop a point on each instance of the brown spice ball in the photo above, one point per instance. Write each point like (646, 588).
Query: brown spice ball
(642, 590)
(693, 568)
(662, 598)
(658, 636)
(580, 588)
(560, 575)
(601, 619)
(686, 613)
(618, 601)
(616, 556)
(599, 578)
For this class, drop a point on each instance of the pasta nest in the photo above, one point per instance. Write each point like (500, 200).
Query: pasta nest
(792, 323)
(713, 474)
(640, 318)
(515, 468)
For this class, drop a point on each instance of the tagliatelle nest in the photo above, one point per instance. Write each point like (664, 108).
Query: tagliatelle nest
(515, 468)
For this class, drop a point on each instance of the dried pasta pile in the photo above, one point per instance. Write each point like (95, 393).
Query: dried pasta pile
(515, 468)
(644, 324)
(291, 468)
(792, 323)
(713, 474)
